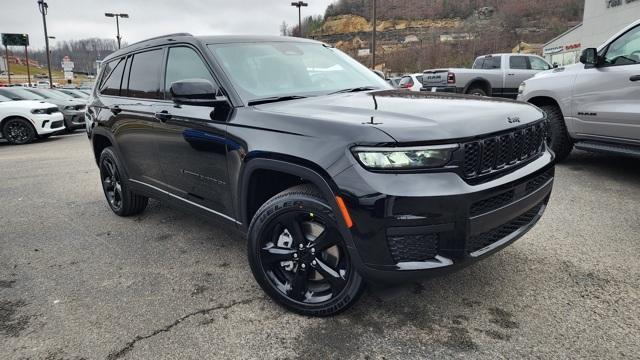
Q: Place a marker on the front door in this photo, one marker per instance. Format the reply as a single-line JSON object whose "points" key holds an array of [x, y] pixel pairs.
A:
{"points": [[606, 99], [192, 144]]}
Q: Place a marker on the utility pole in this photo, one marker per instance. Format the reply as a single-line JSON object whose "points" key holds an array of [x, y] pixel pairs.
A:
{"points": [[299, 5], [43, 7], [117, 16], [373, 37], [26, 56], [6, 58]]}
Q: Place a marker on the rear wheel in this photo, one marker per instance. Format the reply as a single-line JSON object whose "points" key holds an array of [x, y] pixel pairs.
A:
{"points": [[558, 138], [477, 91], [18, 131], [299, 257], [121, 199]]}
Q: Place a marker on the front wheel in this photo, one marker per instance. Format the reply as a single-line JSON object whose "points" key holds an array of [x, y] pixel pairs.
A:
{"points": [[476, 91], [298, 256], [557, 137], [18, 131]]}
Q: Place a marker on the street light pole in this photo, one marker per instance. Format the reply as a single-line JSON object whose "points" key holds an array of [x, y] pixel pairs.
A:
{"points": [[299, 5], [43, 7], [373, 37], [117, 16]]}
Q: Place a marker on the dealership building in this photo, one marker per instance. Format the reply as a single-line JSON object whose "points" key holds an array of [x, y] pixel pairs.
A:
{"points": [[601, 20]]}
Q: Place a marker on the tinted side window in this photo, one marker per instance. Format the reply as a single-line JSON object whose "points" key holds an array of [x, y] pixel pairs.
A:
{"points": [[518, 62], [492, 62], [478, 63], [184, 63], [625, 50], [111, 83], [144, 78]]}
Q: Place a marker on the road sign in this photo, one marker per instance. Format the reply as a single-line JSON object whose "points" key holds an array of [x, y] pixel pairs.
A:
{"points": [[15, 39], [68, 75]]}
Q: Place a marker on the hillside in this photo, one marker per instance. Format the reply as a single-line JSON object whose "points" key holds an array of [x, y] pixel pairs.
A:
{"points": [[418, 34]]}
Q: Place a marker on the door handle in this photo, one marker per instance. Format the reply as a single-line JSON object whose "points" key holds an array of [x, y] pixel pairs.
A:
{"points": [[163, 116], [635, 78], [115, 110], [510, 74]]}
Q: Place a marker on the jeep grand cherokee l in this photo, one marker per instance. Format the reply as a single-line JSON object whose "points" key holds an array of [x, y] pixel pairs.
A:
{"points": [[335, 177]]}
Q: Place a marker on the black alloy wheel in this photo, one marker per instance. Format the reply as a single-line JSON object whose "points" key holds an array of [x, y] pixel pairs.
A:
{"points": [[111, 184], [298, 254], [18, 131]]}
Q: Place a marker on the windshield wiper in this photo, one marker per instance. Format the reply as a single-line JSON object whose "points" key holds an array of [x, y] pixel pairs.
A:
{"points": [[275, 99], [355, 89]]}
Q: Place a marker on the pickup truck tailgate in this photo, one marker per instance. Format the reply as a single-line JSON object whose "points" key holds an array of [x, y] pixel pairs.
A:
{"points": [[432, 78]]}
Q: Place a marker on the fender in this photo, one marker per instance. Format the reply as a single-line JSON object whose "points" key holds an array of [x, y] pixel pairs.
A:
{"points": [[20, 116], [98, 130], [480, 79], [326, 186]]}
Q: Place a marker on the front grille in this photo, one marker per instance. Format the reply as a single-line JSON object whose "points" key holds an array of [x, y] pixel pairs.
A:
{"points": [[503, 151], [414, 247], [56, 124], [485, 239], [492, 203]]}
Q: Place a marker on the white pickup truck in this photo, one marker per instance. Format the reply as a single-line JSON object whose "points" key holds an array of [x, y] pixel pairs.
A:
{"points": [[491, 75]]}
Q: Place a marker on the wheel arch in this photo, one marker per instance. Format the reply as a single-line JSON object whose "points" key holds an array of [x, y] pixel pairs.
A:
{"points": [[19, 116], [482, 83], [544, 100]]}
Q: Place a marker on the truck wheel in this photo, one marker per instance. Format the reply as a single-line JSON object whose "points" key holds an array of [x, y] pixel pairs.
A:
{"points": [[558, 138], [298, 255], [476, 91], [121, 199], [18, 131]]}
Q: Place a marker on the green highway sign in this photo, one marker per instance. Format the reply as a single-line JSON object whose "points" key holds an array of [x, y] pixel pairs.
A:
{"points": [[15, 39]]}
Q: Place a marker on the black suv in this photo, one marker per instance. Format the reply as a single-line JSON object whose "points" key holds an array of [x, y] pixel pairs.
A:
{"points": [[336, 177]]}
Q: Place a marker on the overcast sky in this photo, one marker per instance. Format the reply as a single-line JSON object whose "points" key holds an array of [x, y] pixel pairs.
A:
{"points": [[76, 19]]}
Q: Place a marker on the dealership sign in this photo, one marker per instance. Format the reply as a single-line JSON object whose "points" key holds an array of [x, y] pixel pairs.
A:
{"points": [[67, 66], [15, 39]]}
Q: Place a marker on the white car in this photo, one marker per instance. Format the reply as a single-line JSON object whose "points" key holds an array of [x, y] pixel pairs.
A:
{"points": [[411, 82], [23, 121]]}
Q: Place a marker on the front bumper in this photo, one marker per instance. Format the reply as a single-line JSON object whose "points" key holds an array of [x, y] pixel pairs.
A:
{"points": [[412, 226], [48, 123], [74, 120]]}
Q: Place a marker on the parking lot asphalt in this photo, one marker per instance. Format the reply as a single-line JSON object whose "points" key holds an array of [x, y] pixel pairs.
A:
{"points": [[77, 282]]}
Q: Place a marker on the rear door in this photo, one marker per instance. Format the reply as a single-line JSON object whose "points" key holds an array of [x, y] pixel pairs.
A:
{"points": [[192, 142], [606, 99], [135, 126]]}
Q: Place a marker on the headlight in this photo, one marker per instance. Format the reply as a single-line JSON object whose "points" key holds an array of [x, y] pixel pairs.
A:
{"points": [[408, 158], [39, 111], [521, 88]]}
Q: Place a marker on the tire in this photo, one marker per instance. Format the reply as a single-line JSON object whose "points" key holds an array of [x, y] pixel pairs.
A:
{"points": [[558, 137], [476, 91], [121, 200], [18, 131], [282, 241]]}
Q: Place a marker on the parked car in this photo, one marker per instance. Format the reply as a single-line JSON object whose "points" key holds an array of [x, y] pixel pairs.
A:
{"points": [[496, 75], [43, 84], [395, 81], [335, 180], [593, 105], [71, 107], [411, 82], [21, 122]]}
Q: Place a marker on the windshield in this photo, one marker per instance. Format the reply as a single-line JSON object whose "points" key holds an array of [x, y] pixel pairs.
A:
{"points": [[279, 69], [22, 94], [3, 98]]}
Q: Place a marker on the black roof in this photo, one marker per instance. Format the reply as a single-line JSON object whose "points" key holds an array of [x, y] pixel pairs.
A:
{"points": [[218, 39]]}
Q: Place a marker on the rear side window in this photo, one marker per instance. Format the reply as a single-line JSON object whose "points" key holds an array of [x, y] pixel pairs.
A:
{"points": [[144, 78], [111, 83], [488, 62], [184, 63], [518, 62]]}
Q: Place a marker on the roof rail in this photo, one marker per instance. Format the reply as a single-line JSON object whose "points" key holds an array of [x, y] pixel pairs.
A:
{"points": [[160, 37]]}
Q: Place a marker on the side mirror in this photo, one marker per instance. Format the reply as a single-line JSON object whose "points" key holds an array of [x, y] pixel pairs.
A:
{"points": [[589, 57], [555, 65], [193, 92]]}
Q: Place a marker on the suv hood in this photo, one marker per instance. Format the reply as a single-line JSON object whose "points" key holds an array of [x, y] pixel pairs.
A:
{"points": [[26, 104], [413, 117], [62, 103]]}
